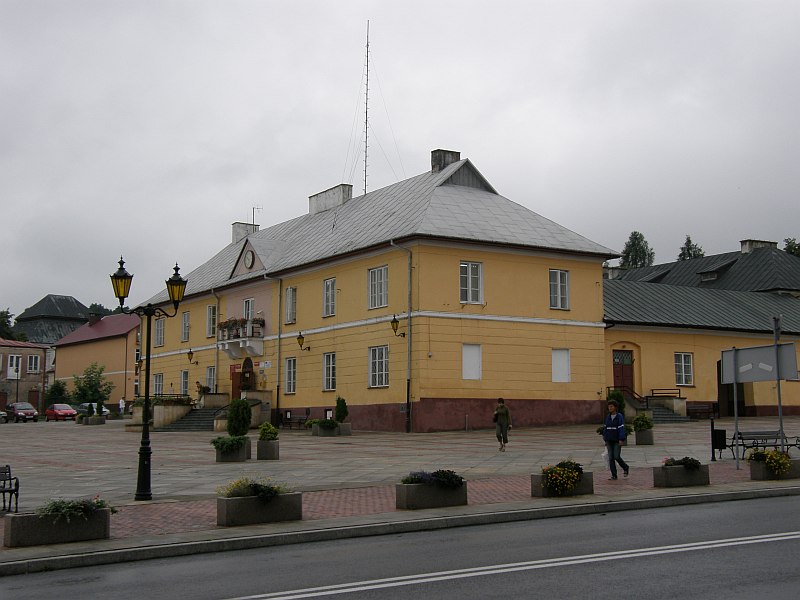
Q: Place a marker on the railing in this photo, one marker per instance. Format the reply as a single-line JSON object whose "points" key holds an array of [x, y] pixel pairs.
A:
{"points": [[240, 328], [628, 393]]}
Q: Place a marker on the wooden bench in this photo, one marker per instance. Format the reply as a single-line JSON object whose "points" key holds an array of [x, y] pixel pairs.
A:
{"points": [[9, 486], [702, 410], [290, 422], [759, 439], [666, 393]]}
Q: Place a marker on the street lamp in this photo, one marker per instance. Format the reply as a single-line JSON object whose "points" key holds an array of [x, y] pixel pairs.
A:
{"points": [[176, 286], [16, 374]]}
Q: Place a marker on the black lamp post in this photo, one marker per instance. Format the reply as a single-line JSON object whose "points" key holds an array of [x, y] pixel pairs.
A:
{"points": [[16, 374], [176, 286]]}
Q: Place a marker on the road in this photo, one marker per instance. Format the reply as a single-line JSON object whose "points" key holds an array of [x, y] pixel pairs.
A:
{"points": [[741, 549]]}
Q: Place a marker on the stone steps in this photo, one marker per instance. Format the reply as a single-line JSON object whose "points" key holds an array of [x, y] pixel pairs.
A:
{"points": [[201, 419]]}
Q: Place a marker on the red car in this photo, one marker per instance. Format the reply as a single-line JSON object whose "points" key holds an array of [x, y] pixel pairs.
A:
{"points": [[59, 412]]}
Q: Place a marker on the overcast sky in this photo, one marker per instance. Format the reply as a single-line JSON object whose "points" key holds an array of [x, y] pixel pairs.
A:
{"points": [[145, 128]]}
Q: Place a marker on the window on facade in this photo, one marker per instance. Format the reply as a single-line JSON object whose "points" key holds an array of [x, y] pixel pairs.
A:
{"points": [[185, 327], [559, 289], [684, 374], [561, 365], [248, 309], [329, 297], [14, 370], [211, 378], [33, 363], [471, 283], [378, 287], [379, 366], [158, 384], [329, 371], [471, 361], [158, 333], [291, 305], [291, 375], [136, 387], [211, 320], [185, 383]]}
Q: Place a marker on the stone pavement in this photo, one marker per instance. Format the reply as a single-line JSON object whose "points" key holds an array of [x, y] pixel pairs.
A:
{"points": [[348, 482]]}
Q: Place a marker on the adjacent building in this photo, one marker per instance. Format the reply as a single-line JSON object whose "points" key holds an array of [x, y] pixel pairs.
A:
{"points": [[22, 372]]}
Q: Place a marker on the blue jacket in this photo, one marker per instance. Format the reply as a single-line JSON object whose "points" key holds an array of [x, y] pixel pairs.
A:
{"points": [[614, 430]]}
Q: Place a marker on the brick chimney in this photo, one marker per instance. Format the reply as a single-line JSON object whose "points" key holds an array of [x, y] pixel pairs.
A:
{"points": [[335, 196], [749, 245], [441, 158], [239, 231]]}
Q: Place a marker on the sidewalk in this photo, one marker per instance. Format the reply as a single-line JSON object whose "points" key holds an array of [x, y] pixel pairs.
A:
{"points": [[348, 483]]}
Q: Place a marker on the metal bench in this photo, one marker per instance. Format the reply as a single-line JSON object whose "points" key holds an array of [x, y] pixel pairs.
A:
{"points": [[9, 486], [759, 439], [701, 410], [290, 422]]}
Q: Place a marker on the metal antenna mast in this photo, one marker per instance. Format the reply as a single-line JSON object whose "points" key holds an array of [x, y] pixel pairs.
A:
{"points": [[366, 116], [255, 208]]}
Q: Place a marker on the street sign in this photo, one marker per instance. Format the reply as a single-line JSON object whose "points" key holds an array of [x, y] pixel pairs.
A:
{"points": [[758, 363]]}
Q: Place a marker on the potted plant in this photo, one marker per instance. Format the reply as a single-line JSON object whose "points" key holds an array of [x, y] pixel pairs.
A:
{"points": [[680, 472], [340, 414], [567, 478], [59, 521], [772, 464], [643, 426], [421, 489], [246, 500], [313, 426], [236, 446], [267, 446], [326, 427]]}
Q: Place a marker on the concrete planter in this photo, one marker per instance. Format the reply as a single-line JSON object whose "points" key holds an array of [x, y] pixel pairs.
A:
{"points": [[585, 486], [680, 476], [315, 429], [760, 472], [251, 509], [268, 450], [412, 496], [322, 432], [94, 420], [344, 429], [644, 437], [32, 530], [240, 455]]}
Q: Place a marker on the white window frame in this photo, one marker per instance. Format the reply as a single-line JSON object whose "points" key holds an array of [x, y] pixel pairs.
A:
{"points": [[329, 297], [470, 282], [158, 384], [379, 366], [248, 308], [211, 378], [291, 305], [185, 326], [684, 376], [378, 287], [561, 365], [559, 289], [33, 363], [329, 371], [211, 320], [136, 387], [184, 383], [291, 375], [158, 334], [471, 362]]}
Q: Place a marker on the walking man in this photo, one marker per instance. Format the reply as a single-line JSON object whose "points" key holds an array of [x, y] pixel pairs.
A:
{"points": [[613, 435], [502, 419]]}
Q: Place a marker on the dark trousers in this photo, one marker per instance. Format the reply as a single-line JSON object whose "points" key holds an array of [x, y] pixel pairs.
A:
{"points": [[614, 457]]}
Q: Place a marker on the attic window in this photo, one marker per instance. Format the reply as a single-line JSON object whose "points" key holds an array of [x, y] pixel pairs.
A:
{"points": [[709, 276]]}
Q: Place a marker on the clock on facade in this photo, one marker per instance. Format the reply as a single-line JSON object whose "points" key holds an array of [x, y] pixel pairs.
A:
{"points": [[249, 259]]}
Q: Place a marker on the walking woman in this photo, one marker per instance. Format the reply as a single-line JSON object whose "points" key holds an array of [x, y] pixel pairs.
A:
{"points": [[613, 434], [502, 419]]}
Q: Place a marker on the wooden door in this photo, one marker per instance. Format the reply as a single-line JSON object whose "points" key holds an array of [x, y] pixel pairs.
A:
{"points": [[623, 369]]}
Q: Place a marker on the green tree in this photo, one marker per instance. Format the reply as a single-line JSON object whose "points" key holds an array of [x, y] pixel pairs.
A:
{"points": [[92, 386], [57, 393], [5, 325], [637, 252], [690, 250], [239, 416], [341, 411], [98, 309], [792, 247]]}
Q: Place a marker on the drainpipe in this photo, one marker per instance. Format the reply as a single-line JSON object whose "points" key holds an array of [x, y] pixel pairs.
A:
{"points": [[408, 340], [216, 346], [278, 351]]}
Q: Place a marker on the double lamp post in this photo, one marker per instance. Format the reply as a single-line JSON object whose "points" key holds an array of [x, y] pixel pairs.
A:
{"points": [[176, 287]]}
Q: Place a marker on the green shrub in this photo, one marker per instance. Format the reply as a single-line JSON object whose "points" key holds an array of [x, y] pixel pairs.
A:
{"points": [[642, 422], [229, 443], [57, 393], [341, 411], [311, 422], [442, 478], [687, 461], [617, 396], [248, 486], [239, 415], [60, 508], [327, 424], [267, 432]]}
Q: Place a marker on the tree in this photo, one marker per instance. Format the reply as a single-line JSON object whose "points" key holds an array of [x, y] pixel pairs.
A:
{"points": [[93, 387], [637, 252], [690, 250], [98, 309], [792, 247], [57, 393], [5, 325]]}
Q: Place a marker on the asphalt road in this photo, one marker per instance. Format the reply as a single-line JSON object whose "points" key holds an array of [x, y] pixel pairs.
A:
{"points": [[741, 549]]}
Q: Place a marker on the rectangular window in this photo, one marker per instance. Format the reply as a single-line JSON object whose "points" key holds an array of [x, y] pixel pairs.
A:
{"points": [[158, 333], [471, 283], [136, 387], [185, 327], [683, 369], [379, 366], [211, 378], [559, 289], [248, 309], [561, 365], [158, 384], [291, 305], [291, 375], [14, 370], [378, 287], [211, 320], [185, 383], [329, 297], [471, 361], [329, 371], [33, 363]]}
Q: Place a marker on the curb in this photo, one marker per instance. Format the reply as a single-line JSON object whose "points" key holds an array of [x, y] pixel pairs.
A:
{"points": [[104, 557]]}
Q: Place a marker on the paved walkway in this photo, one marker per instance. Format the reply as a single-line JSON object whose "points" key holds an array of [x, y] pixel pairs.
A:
{"points": [[347, 481]]}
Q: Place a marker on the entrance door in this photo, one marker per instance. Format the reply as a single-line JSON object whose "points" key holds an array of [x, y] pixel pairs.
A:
{"points": [[623, 369], [725, 395]]}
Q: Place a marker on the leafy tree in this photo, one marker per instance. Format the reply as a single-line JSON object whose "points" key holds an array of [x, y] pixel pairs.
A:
{"points": [[792, 247], [341, 410], [57, 393], [637, 252], [98, 309], [93, 387], [239, 416], [5, 325], [690, 250]]}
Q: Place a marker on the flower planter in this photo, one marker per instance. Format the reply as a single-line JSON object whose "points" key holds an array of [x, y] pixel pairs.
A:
{"points": [[644, 437], [32, 530], [326, 432], [344, 429], [680, 476], [267, 450], [240, 455], [412, 496], [251, 509], [94, 420], [760, 472], [315, 429], [585, 485]]}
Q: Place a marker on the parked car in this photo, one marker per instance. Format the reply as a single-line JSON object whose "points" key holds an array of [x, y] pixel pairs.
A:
{"points": [[3, 416], [83, 409], [22, 411], [60, 412]]}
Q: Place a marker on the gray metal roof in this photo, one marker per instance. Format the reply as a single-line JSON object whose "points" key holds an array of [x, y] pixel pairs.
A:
{"points": [[428, 205], [657, 304]]}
